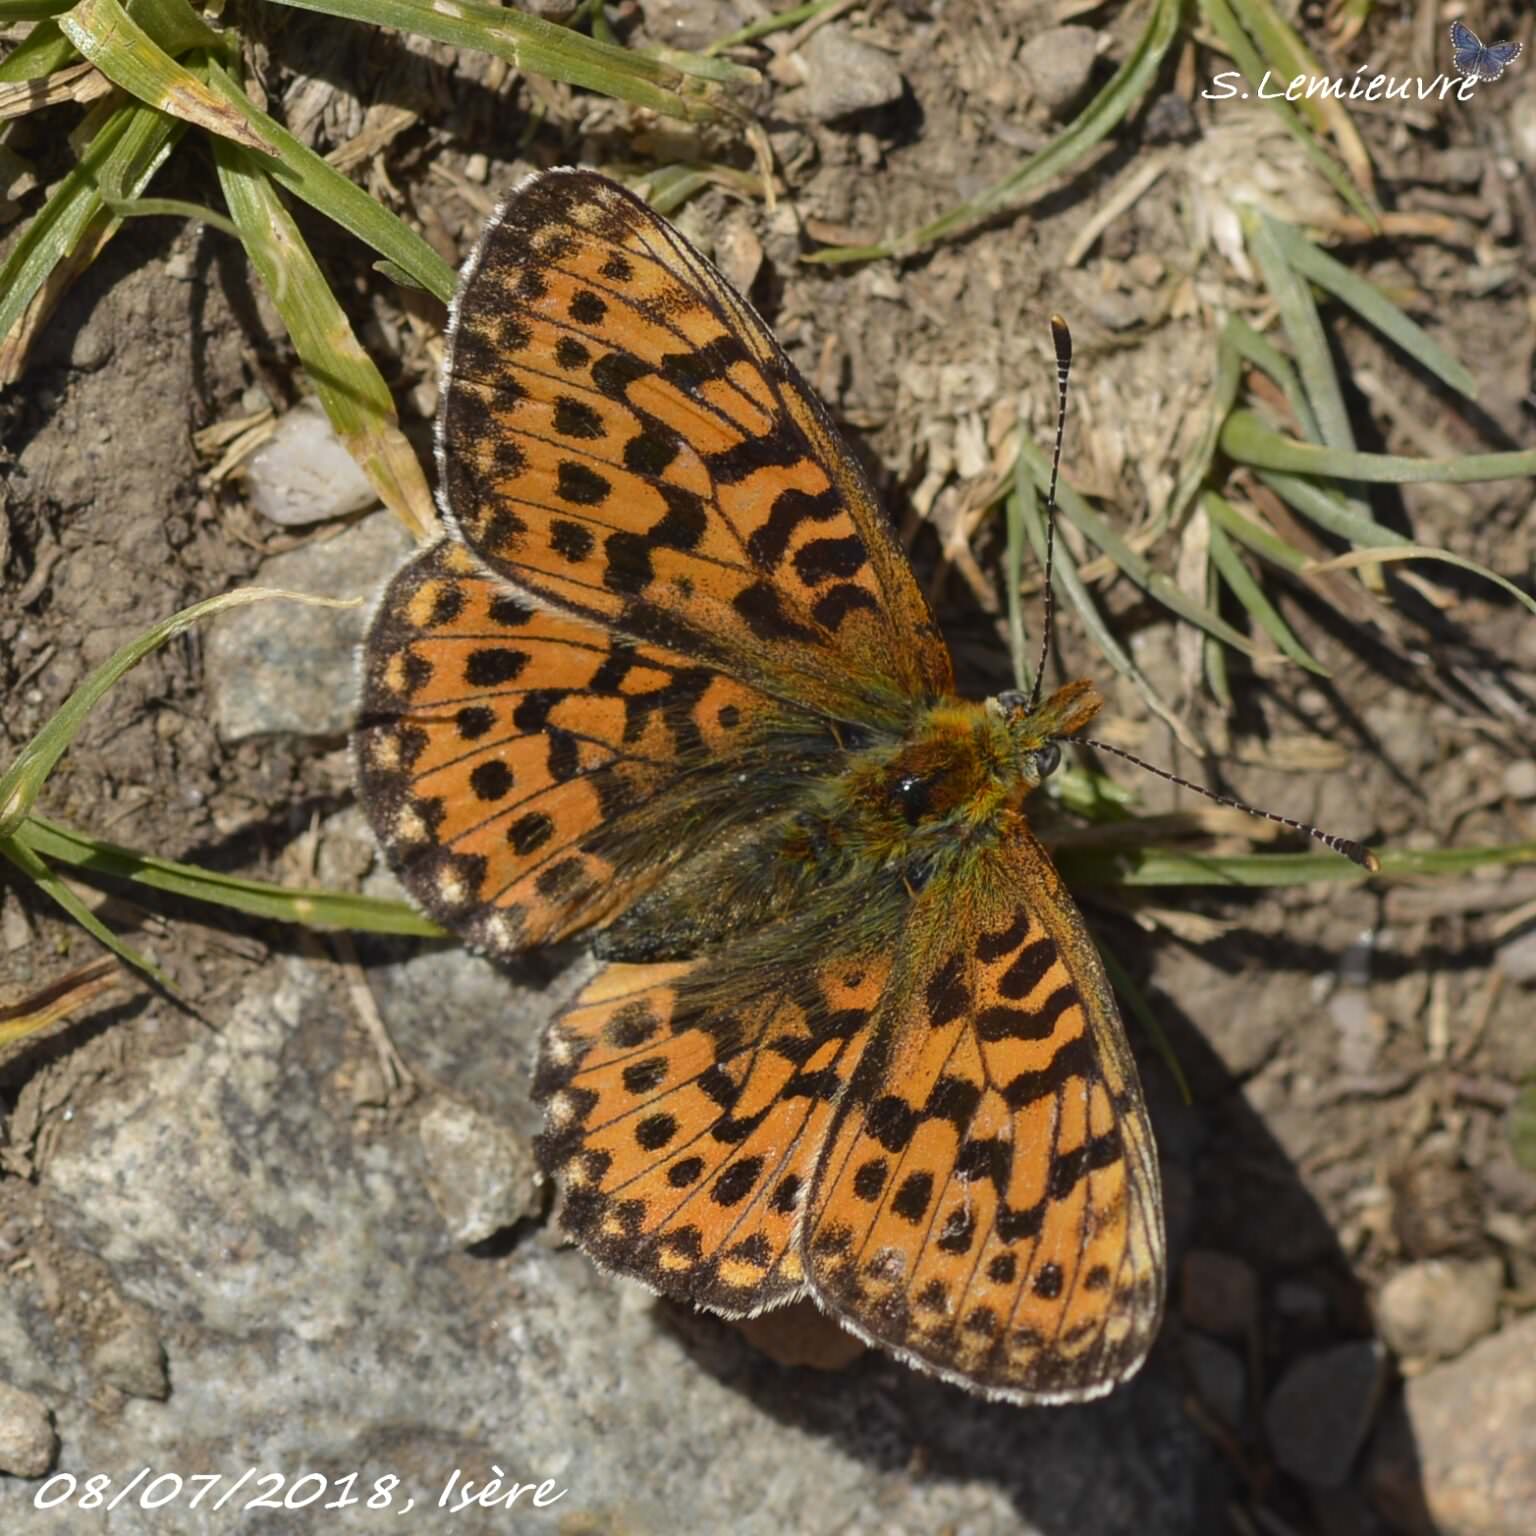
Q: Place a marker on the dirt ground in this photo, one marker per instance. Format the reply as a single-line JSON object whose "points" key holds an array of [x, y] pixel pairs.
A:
{"points": [[1356, 1053]]}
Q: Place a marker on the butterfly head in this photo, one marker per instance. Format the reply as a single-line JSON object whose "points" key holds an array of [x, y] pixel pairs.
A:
{"points": [[1035, 733]]}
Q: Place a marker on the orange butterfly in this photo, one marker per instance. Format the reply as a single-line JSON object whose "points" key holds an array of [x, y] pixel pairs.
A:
{"points": [[671, 679]]}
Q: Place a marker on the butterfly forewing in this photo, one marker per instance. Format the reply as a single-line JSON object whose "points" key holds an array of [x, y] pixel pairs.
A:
{"points": [[623, 436], [988, 1203], [497, 738]]}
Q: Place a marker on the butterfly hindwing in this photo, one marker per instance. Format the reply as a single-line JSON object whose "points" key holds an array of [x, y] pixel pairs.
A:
{"points": [[687, 1137], [623, 436], [988, 1203]]}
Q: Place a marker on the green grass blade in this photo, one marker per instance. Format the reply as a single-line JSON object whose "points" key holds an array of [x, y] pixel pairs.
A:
{"points": [[1251, 595], [42, 51], [1268, 358], [1164, 866], [1259, 539], [257, 898], [1137, 567], [778, 22], [129, 57], [24, 779], [1026, 508], [304, 173], [1098, 119], [1360, 557], [350, 388], [674, 88], [1222, 398], [1248, 440], [54, 888], [1304, 330], [1373, 307]]}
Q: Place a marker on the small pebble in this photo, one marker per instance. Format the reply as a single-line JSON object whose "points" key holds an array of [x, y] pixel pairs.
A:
{"points": [[481, 1175], [1321, 1411], [1058, 65], [844, 75], [27, 1441], [302, 474], [1437, 1309], [1219, 1293], [132, 1358]]}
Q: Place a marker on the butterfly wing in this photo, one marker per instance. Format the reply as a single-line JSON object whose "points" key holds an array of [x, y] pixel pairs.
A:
{"points": [[1474, 59], [988, 1204], [622, 436], [686, 1138], [1466, 49], [497, 739]]}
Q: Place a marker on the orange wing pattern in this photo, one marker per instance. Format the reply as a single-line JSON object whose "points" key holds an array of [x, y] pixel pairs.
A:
{"points": [[497, 738], [988, 1203], [622, 436], [688, 1138], [672, 678]]}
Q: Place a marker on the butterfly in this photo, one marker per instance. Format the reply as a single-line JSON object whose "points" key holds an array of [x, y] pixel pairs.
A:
{"points": [[1481, 63], [669, 681]]}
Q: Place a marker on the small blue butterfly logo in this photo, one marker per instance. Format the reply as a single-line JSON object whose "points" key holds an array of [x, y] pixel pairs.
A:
{"points": [[1476, 60]]}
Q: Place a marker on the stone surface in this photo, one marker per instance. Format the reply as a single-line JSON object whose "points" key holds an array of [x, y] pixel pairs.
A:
{"points": [[1456, 1453], [319, 1318], [1218, 1293], [277, 668], [27, 1440], [1434, 1310], [844, 75], [1058, 64], [1322, 1408], [481, 1175], [302, 474]]}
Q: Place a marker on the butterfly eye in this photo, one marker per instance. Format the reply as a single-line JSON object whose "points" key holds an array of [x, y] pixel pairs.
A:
{"points": [[1046, 760], [914, 794]]}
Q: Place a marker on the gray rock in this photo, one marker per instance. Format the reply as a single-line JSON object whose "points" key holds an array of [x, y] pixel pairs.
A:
{"points": [[323, 1322], [1436, 1309], [1321, 1411], [1456, 1454], [1058, 65], [1218, 1293], [27, 1440], [279, 668], [844, 75], [481, 1175], [303, 474]]}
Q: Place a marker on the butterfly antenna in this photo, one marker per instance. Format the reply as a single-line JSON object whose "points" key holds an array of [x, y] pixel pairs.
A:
{"points": [[1355, 852], [1061, 337]]}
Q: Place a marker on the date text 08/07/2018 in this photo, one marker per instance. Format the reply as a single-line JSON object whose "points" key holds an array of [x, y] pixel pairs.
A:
{"points": [[276, 1490]]}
